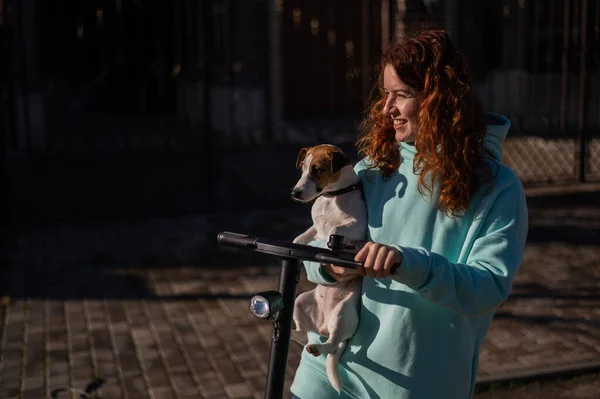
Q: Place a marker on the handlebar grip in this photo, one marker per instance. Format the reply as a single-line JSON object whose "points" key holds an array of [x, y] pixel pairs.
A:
{"points": [[326, 258], [336, 260], [237, 240]]}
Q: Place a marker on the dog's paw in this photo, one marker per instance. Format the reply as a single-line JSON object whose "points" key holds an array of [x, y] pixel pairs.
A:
{"points": [[301, 240], [317, 349], [313, 350]]}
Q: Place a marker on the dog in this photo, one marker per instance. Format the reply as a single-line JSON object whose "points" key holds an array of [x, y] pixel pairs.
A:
{"points": [[339, 208]]}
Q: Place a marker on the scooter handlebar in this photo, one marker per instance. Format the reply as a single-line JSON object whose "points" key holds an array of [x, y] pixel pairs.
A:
{"points": [[236, 240], [289, 250]]}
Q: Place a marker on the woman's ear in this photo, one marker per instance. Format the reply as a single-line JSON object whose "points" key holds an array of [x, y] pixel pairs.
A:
{"points": [[301, 156]]}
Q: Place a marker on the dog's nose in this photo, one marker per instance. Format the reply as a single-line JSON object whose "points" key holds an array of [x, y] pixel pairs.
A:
{"points": [[296, 193]]}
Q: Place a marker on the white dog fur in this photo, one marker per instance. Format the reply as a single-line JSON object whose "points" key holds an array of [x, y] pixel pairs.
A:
{"points": [[329, 310]]}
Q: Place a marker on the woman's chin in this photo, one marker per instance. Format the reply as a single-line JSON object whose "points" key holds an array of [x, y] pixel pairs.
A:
{"points": [[404, 137]]}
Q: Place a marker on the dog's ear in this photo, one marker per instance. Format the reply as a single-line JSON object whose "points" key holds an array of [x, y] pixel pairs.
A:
{"points": [[338, 161], [301, 156]]}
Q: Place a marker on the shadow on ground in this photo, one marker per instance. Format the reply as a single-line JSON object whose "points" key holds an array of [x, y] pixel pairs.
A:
{"points": [[69, 261], [571, 218]]}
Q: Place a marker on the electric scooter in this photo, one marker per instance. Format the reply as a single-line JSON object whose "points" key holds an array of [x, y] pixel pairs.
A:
{"points": [[278, 306]]}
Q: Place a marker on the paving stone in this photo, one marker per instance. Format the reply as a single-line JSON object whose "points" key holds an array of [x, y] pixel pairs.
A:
{"points": [[111, 391], [240, 390], [186, 329]]}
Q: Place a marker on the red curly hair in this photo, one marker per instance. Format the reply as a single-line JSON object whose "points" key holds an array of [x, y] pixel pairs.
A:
{"points": [[451, 120]]}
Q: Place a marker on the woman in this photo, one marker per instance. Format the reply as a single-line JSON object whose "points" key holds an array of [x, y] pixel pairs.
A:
{"points": [[440, 204]]}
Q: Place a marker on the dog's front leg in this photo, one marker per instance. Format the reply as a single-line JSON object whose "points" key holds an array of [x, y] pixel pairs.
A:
{"points": [[309, 235], [351, 231]]}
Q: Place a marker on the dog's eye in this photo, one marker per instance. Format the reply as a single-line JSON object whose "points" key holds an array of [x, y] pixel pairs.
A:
{"points": [[315, 170]]}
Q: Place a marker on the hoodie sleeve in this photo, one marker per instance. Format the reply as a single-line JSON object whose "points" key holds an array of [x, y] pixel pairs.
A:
{"points": [[314, 270], [484, 281]]}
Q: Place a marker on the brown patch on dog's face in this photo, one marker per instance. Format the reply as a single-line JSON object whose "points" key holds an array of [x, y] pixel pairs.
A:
{"points": [[325, 165], [301, 157]]}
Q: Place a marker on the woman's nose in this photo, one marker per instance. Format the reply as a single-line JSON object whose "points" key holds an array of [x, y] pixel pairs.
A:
{"points": [[388, 107]]}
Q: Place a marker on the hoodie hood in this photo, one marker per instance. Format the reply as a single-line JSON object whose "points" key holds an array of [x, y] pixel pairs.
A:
{"points": [[497, 129]]}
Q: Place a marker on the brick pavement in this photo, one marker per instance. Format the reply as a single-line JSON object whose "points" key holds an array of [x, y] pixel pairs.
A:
{"points": [[129, 303]]}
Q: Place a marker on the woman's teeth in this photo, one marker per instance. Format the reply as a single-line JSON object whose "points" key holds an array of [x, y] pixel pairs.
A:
{"points": [[399, 122]]}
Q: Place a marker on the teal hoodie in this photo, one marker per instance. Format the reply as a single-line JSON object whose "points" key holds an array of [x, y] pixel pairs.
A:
{"points": [[420, 331]]}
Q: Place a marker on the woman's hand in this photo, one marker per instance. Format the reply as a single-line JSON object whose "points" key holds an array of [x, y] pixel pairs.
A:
{"points": [[378, 259], [341, 273]]}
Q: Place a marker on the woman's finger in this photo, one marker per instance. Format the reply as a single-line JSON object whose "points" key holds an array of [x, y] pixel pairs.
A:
{"points": [[362, 254], [379, 264], [370, 259], [389, 262]]}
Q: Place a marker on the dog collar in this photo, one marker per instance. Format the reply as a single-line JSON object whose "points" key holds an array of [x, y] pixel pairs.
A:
{"points": [[353, 187]]}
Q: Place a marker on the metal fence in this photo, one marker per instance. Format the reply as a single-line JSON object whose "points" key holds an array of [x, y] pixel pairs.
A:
{"points": [[545, 76], [128, 74], [152, 106]]}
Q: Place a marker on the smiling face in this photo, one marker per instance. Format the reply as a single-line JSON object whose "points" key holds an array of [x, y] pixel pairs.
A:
{"points": [[401, 105]]}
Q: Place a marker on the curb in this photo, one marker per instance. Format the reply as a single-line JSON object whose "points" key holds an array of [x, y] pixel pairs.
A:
{"points": [[538, 374], [561, 189]]}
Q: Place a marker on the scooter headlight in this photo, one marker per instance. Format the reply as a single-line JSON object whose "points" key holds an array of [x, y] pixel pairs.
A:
{"points": [[265, 305]]}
